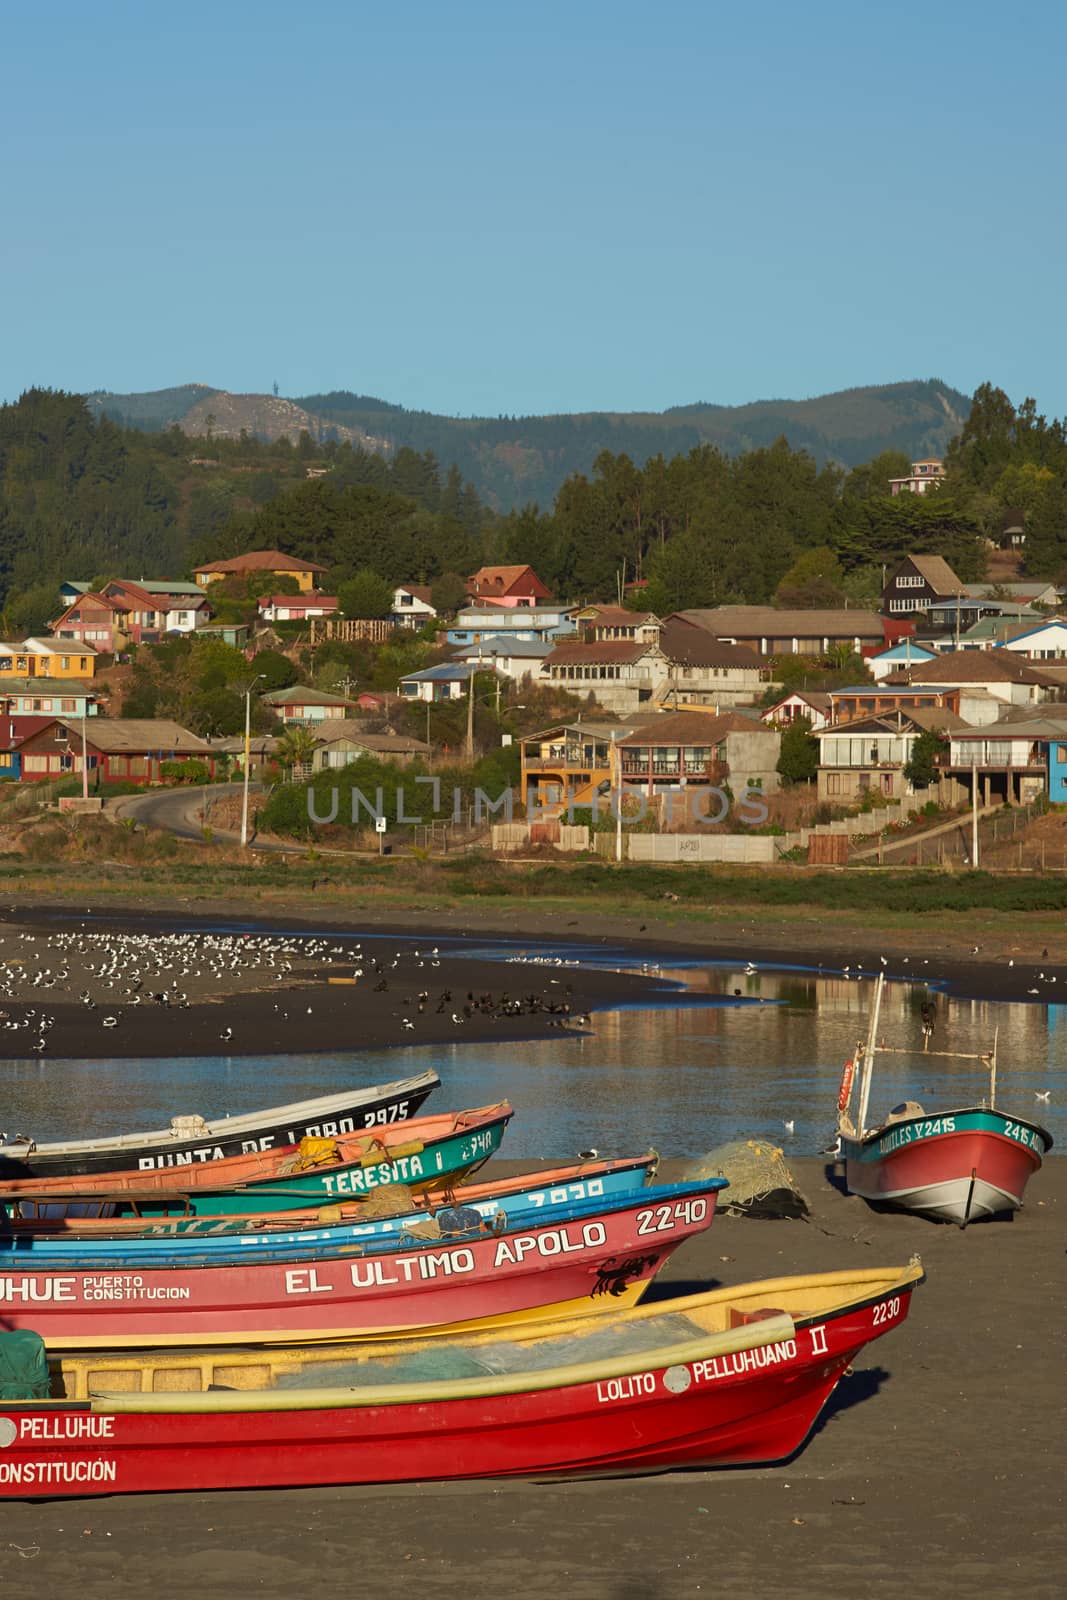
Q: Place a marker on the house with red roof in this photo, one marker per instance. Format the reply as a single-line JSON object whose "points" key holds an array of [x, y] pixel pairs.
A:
{"points": [[506, 586], [94, 619]]}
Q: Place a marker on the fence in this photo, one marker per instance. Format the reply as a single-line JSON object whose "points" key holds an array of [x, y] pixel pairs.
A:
{"points": [[953, 840]]}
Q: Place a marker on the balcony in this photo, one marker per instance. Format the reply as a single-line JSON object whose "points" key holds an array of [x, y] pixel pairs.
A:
{"points": [[632, 768], [571, 756]]}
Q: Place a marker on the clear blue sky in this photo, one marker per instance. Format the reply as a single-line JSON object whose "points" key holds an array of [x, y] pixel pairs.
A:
{"points": [[482, 207]]}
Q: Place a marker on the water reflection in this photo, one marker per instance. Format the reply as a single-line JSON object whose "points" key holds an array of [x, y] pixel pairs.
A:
{"points": [[692, 1070]]}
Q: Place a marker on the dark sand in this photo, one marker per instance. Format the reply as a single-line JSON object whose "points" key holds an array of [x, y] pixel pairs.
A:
{"points": [[262, 1008], [938, 1471]]}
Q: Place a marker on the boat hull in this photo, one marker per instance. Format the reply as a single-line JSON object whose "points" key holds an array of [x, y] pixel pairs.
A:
{"points": [[325, 1117], [728, 1401], [127, 1241], [601, 1256], [420, 1154], [958, 1166]]}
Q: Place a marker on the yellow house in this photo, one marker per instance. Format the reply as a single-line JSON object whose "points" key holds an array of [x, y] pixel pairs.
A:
{"points": [[48, 658], [276, 562]]}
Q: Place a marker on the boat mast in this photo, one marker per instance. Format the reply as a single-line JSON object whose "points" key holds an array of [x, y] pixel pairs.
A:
{"points": [[867, 1069]]}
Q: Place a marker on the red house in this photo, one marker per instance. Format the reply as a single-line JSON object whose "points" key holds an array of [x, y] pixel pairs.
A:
{"points": [[130, 750], [94, 619], [506, 586]]}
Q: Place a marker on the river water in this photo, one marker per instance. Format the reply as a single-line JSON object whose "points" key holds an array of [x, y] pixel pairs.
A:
{"points": [[732, 1054]]}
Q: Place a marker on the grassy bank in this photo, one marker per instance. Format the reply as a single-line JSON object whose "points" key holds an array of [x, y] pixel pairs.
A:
{"points": [[941, 905]]}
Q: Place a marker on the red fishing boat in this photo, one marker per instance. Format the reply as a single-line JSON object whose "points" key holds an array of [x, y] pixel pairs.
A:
{"points": [[605, 1251], [730, 1378], [959, 1165]]}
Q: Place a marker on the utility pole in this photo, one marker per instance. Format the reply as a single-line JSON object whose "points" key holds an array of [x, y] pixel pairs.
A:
{"points": [[85, 763], [470, 715], [974, 812]]}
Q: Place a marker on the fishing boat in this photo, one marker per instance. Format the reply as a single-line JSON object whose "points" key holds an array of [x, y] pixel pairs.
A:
{"points": [[439, 1213], [420, 1154], [192, 1139], [955, 1166], [591, 1254], [733, 1377]]}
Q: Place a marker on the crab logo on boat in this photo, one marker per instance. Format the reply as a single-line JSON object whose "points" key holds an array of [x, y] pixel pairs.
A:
{"points": [[676, 1380], [8, 1432]]}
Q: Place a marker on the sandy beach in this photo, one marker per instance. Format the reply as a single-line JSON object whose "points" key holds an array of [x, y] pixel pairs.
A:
{"points": [[937, 1471]]}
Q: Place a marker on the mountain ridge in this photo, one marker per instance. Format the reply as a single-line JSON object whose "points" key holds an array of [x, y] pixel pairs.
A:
{"points": [[517, 459]]}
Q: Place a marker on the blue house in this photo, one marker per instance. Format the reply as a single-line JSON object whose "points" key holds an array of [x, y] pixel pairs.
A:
{"points": [[548, 623], [47, 697], [448, 681], [899, 656]]}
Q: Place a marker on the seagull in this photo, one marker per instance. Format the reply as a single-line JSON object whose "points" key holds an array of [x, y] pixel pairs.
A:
{"points": [[408, 1023], [111, 1022], [226, 1035], [1033, 991], [882, 959], [1043, 1096], [588, 1155], [789, 1126]]}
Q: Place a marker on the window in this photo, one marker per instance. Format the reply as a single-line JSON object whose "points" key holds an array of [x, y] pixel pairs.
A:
{"points": [[64, 663], [833, 783], [909, 580]]}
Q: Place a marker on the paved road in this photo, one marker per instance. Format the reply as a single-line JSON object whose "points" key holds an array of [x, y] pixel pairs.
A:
{"points": [[179, 811]]}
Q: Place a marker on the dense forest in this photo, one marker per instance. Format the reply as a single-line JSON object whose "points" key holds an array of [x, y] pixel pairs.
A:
{"points": [[82, 497]]}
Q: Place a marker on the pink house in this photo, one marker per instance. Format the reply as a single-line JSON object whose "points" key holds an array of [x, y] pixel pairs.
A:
{"points": [[506, 586]]}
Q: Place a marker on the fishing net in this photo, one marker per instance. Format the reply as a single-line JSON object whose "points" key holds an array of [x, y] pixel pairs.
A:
{"points": [[390, 1200], [761, 1185]]}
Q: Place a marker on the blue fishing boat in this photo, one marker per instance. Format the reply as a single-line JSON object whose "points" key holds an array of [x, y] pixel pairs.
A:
{"points": [[444, 1213]]}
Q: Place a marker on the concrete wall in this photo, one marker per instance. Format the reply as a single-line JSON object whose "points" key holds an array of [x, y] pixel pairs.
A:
{"points": [[706, 847], [754, 755]]}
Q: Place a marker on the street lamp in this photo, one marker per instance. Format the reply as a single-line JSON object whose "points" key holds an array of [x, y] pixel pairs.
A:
{"points": [[248, 755]]}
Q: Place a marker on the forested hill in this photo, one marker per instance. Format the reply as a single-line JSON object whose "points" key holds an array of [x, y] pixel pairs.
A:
{"points": [[512, 461]]}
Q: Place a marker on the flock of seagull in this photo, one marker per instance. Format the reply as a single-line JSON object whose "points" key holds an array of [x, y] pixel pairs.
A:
{"points": [[108, 973]]}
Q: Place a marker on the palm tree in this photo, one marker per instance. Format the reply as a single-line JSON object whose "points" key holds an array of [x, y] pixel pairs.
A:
{"points": [[295, 749]]}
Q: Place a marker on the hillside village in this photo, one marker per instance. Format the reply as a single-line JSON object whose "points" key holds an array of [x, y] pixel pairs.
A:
{"points": [[949, 694]]}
